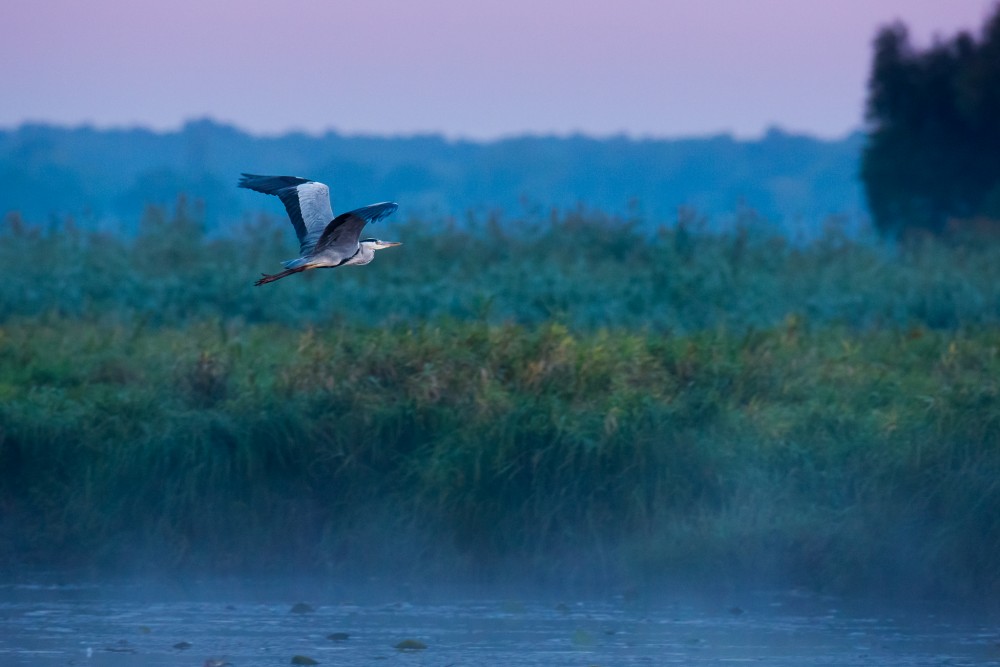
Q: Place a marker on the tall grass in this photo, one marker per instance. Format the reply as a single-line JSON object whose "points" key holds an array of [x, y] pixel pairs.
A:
{"points": [[824, 452], [682, 402], [584, 270]]}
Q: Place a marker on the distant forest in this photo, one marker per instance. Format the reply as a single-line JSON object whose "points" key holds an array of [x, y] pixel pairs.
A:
{"points": [[932, 159], [106, 178]]}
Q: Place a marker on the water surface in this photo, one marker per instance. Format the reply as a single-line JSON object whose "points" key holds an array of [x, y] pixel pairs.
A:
{"points": [[250, 626]]}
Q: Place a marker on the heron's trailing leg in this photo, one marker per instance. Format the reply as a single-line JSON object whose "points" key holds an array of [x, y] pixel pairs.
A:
{"points": [[270, 278]]}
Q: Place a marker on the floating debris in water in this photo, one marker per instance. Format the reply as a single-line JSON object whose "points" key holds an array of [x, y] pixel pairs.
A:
{"points": [[562, 608], [735, 611], [215, 662], [302, 608], [411, 645], [338, 636], [303, 660], [583, 638], [145, 629], [121, 647], [180, 646]]}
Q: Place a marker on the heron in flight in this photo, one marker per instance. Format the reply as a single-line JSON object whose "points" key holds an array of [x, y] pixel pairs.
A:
{"points": [[325, 242]]}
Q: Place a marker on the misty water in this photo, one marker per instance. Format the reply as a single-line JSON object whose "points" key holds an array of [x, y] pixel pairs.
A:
{"points": [[255, 624]]}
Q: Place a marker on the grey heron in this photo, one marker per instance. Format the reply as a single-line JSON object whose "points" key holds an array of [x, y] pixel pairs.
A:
{"points": [[324, 241]]}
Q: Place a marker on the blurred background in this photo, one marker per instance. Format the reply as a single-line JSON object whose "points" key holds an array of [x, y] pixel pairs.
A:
{"points": [[505, 107], [685, 289]]}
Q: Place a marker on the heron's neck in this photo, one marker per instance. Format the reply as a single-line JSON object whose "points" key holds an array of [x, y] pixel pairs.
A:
{"points": [[366, 253]]}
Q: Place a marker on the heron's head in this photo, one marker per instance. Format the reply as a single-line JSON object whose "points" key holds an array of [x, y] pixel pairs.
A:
{"points": [[376, 244]]}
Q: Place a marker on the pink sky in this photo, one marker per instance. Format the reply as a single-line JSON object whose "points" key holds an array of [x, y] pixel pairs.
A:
{"points": [[477, 69]]}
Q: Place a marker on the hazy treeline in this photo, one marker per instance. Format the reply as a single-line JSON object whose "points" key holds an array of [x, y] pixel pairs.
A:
{"points": [[106, 177], [648, 403]]}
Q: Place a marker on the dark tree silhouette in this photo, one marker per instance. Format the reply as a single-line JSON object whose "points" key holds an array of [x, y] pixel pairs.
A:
{"points": [[933, 149]]}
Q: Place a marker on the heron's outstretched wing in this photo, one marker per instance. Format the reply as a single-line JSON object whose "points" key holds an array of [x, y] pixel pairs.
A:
{"points": [[307, 203], [343, 232]]}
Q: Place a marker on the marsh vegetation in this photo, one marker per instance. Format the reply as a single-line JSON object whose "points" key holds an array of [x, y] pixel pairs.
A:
{"points": [[572, 397]]}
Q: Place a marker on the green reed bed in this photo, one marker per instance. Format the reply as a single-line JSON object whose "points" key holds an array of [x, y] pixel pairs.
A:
{"points": [[583, 269], [580, 396], [831, 456]]}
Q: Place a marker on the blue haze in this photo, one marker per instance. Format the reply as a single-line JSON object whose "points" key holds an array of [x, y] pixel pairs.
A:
{"points": [[105, 178]]}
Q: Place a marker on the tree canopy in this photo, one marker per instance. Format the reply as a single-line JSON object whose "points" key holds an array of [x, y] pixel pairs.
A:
{"points": [[933, 149]]}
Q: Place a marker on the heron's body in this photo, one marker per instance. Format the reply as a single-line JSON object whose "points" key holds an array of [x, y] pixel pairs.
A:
{"points": [[324, 241]]}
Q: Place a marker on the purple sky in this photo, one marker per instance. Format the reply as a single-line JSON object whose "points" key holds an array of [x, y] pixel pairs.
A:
{"points": [[479, 69]]}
